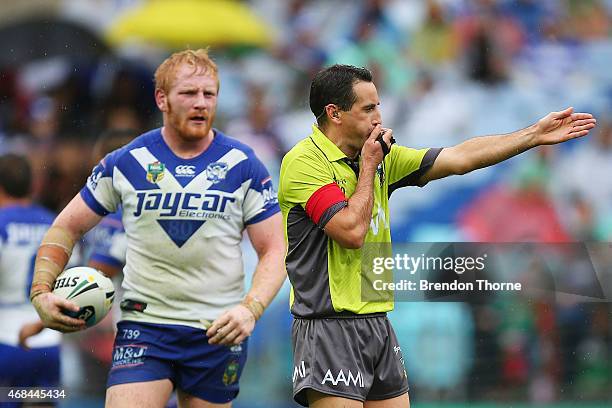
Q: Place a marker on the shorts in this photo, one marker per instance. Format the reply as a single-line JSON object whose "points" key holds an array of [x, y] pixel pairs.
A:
{"points": [[353, 357], [37, 367], [149, 352]]}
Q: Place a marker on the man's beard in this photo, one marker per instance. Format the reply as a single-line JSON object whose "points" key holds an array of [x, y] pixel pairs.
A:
{"points": [[183, 128]]}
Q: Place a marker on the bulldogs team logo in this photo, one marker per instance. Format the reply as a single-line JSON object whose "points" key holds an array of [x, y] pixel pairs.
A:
{"points": [[216, 172], [155, 171]]}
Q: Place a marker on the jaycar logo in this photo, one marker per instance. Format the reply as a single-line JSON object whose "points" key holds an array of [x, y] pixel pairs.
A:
{"points": [[184, 171]]}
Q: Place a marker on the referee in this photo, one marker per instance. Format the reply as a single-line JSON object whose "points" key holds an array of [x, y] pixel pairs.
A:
{"points": [[334, 191]]}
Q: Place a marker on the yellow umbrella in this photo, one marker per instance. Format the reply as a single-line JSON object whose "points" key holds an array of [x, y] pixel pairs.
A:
{"points": [[190, 23]]}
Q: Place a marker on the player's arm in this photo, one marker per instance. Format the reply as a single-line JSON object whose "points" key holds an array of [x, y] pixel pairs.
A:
{"points": [[237, 323], [349, 226], [479, 152], [269, 243], [53, 254]]}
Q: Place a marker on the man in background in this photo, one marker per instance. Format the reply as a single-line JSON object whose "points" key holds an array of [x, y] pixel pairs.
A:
{"points": [[22, 227]]}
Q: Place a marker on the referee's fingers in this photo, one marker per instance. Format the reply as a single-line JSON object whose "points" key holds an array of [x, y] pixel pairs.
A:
{"points": [[375, 133], [387, 136]]}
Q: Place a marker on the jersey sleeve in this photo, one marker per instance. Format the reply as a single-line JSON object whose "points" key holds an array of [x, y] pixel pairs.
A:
{"points": [[407, 165], [309, 182], [261, 200], [99, 193]]}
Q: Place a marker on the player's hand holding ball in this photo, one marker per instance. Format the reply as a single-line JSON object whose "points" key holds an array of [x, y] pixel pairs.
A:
{"points": [[50, 308], [81, 297]]}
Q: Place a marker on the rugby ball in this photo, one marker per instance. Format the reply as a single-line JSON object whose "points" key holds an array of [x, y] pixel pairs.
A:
{"points": [[90, 289]]}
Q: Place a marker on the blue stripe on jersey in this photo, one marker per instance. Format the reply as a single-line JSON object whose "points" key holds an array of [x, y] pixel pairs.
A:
{"points": [[111, 159], [250, 169], [234, 178], [134, 173], [195, 165], [91, 201], [262, 183], [267, 213]]}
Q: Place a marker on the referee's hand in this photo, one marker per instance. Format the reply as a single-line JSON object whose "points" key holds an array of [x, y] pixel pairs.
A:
{"points": [[372, 152]]}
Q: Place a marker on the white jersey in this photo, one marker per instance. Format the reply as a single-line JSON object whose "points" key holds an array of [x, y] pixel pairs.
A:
{"points": [[21, 231], [183, 219]]}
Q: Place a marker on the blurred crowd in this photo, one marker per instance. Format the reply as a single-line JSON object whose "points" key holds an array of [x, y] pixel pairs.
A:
{"points": [[445, 70]]}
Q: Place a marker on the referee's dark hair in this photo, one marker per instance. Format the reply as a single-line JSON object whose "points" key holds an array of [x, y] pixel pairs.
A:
{"points": [[335, 85], [15, 175]]}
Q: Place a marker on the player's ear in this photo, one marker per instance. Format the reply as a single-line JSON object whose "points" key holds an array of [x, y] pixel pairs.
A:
{"points": [[161, 100]]}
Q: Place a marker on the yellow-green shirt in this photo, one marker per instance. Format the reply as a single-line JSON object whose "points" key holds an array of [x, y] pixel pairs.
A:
{"points": [[316, 181]]}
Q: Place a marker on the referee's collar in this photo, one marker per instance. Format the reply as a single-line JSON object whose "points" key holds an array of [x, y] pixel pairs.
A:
{"points": [[329, 149]]}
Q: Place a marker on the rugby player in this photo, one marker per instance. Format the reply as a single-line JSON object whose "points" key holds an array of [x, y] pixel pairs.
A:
{"points": [[187, 192]]}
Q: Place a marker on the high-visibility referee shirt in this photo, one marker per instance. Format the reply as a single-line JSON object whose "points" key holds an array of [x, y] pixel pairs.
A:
{"points": [[316, 181]]}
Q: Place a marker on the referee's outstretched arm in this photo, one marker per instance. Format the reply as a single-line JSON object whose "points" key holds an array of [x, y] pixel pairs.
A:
{"points": [[479, 152]]}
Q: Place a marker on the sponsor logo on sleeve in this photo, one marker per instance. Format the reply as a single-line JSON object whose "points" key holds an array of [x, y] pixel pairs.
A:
{"points": [[96, 175], [269, 194]]}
